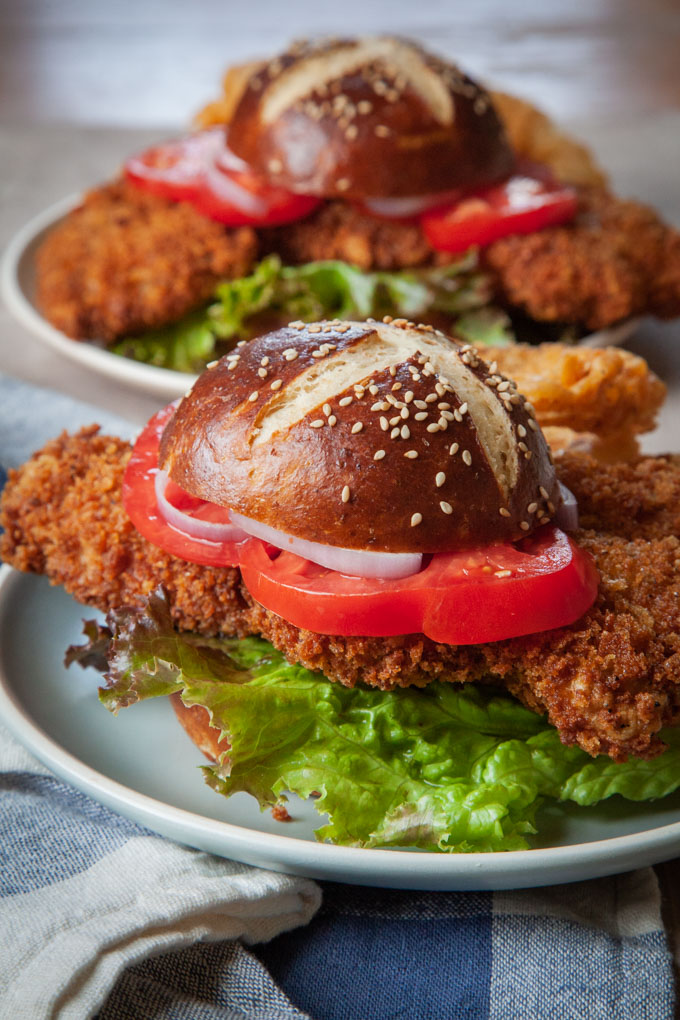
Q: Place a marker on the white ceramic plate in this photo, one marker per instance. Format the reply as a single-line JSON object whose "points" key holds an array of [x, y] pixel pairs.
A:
{"points": [[17, 285], [141, 764]]}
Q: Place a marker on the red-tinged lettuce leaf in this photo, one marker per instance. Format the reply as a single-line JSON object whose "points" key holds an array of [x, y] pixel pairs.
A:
{"points": [[143, 656], [95, 652], [446, 767]]}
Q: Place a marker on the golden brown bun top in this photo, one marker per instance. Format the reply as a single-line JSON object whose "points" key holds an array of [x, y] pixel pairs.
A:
{"points": [[377, 436], [368, 117]]}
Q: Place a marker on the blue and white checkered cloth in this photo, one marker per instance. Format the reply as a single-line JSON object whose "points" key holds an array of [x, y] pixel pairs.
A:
{"points": [[85, 893], [99, 917], [593, 950]]}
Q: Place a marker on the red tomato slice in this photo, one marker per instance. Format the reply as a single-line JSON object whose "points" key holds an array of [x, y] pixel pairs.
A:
{"points": [[139, 500], [201, 170], [241, 198], [175, 169], [458, 598], [521, 205]]}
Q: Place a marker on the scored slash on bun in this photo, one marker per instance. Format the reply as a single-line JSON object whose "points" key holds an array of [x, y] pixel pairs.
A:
{"points": [[374, 117], [380, 435]]}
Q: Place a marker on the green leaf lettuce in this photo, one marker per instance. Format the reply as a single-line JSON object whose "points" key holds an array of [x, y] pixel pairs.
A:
{"points": [[446, 767], [322, 290]]}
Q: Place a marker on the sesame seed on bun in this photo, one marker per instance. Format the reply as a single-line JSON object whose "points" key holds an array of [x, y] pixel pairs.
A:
{"points": [[373, 117], [382, 436]]}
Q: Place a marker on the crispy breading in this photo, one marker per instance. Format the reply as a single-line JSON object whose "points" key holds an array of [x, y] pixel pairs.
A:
{"points": [[534, 136], [339, 230], [125, 261], [606, 391], [609, 682], [234, 81], [63, 516], [616, 260]]}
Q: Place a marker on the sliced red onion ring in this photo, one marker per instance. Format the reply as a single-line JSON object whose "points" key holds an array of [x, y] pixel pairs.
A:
{"points": [[229, 160], [567, 513], [226, 188], [356, 562], [206, 530], [411, 205]]}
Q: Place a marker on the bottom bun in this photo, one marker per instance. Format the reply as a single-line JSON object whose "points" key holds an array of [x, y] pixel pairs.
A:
{"points": [[196, 722]]}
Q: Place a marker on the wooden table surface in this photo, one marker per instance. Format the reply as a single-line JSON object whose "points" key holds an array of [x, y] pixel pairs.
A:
{"points": [[81, 82]]}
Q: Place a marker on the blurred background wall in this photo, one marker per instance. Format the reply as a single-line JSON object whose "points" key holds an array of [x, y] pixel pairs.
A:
{"points": [[153, 62]]}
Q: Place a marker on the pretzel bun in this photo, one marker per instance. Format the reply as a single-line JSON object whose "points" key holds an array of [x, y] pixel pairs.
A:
{"points": [[374, 117], [196, 721], [372, 436]]}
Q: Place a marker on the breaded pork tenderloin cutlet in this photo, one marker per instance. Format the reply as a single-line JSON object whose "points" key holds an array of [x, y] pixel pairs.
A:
{"points": [[616, 260], [125, 261], [339, 230], [609, 682], [63, 517]]}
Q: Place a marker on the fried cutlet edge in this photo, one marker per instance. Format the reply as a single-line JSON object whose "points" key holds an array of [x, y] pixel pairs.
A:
{"points": [[608, 682], [125, 261]]}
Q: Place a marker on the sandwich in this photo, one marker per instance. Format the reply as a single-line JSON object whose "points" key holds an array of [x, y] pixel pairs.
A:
{"points": [[351, 559], [354, 178]]}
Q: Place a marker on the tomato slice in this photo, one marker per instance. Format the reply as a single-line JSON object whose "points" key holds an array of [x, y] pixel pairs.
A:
{"points": [[527, 202], [200, 169], [460, 598], [175, 169], [240, 198], [139, 500]]}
